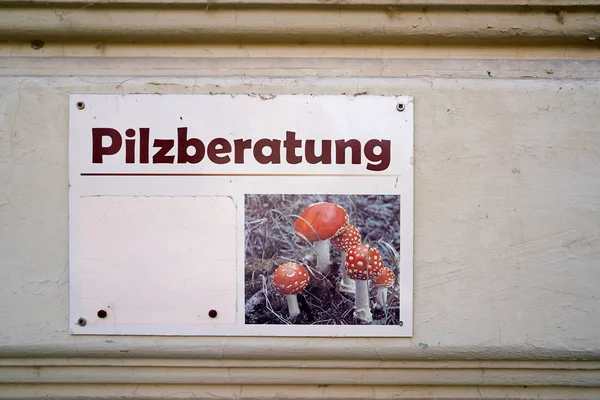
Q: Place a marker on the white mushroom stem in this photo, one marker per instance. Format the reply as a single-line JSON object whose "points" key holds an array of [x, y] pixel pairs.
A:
{"points": [[323, 257], [346, 284], [362, 308], [381, 298], [292, 302]]}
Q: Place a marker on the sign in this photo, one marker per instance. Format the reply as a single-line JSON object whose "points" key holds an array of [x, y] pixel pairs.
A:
{"points": [[239, 215]]}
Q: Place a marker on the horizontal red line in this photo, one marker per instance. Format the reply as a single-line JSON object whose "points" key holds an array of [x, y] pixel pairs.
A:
{"points": [[210, 174]]}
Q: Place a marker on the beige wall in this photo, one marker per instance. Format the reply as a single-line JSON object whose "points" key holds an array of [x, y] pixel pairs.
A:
{"points": [[507, 194]]}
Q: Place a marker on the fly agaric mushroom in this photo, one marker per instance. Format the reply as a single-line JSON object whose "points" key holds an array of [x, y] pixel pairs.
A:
{"points": [[382, 283], [318, 223], [290, 279], [344, 242], [363, 263]]}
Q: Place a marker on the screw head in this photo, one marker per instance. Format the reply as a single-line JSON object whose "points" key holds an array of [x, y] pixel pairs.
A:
{"points": [[401, 323], [212, 313], [400, 107], [81, 322], [80, 105]]}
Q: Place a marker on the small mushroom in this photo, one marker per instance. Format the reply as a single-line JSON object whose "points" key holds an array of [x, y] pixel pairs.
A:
{"points": [[318, 223], [382, 283], [363, 263], [290, 279], [344, 242]]}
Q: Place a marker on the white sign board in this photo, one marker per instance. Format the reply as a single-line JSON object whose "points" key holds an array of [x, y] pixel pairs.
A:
{"points": [[237, 215]]}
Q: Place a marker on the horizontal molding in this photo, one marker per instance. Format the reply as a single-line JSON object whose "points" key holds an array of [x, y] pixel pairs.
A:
{"points": [[397, 25], [343, 350], [318, 3], [356, 364], [195, 67], [299, 372], [289, 392], [132, 378]]}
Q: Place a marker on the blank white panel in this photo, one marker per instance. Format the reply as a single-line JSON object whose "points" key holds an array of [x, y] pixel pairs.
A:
{"points": [[157, 259]]}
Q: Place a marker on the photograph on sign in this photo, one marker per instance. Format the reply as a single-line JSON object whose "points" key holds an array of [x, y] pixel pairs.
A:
{"points": [[322, 259], [241, 215]]}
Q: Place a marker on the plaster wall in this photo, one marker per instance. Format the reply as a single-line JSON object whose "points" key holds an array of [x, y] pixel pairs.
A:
{"points": [[507, 228]]}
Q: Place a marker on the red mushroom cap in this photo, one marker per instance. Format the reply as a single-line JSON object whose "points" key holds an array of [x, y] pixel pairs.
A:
{"points": [[290, 278], [321, 221], [363, 262], [386, 279], [345, 240]]}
